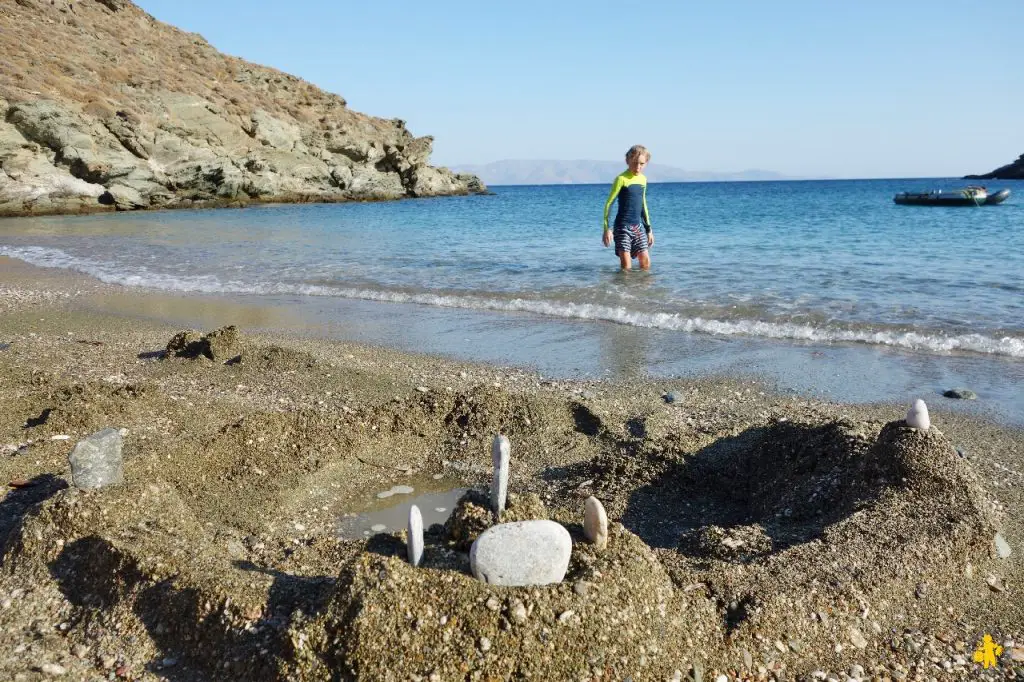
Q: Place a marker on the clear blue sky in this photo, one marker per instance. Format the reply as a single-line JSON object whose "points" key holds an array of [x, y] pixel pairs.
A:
{"points": [[839, 88]]}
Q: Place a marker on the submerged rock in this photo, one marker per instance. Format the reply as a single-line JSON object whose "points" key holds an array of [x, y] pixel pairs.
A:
{"points": [[521, 553], [96, 461], [960, 394]]}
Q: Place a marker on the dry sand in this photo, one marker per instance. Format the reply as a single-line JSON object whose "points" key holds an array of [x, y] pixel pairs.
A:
{"points": [[754, 535]]}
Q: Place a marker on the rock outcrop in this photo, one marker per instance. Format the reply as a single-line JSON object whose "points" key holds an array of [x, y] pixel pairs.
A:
{"points": [[130, 113], [1011, 171]]}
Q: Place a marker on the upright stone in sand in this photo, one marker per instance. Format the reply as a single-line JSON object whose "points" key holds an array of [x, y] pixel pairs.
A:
{"points": [[917, 416], [96, 461], [415, 541], [500, 453], [595, 522]]}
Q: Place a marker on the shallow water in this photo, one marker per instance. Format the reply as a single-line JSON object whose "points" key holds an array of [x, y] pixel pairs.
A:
{"points": [[436, 499], [820, 260], [823, 287]]}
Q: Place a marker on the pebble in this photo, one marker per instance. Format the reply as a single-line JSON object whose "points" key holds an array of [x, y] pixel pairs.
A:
{"points": [[669, 397], [917, 416], [1003, 550], [60, 436], [423, 389], [565, 616], [500, 456], [493, 604], [378, 528], [52, 669], [518, 612], [595, 522], [994, 583], [395, 490], [857, 639], [415, 536]]}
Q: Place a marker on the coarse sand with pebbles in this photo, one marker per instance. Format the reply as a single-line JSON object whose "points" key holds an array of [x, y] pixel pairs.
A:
{"points": [[752, 535]]}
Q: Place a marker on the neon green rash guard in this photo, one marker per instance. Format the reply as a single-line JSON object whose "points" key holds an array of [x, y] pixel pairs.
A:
{"points": [[631, 191]]}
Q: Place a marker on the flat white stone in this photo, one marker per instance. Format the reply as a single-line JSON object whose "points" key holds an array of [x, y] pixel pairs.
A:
{"points": [[521, 553], [595, 522], [415, 544], [378, 528], [917, 416], [96, 460], [500, 453], [1003, 550], [395, 490]]}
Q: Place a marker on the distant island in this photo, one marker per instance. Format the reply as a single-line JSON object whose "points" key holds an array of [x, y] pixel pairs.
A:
{"points": [[1011, 171], [581, 172]]}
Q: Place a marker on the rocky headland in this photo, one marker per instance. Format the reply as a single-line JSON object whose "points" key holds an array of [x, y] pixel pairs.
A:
{"points": [[102, 107], [1011, 171]]}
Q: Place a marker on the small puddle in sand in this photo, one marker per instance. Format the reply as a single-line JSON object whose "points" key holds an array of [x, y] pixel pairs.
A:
{"points": [[387, 510]]}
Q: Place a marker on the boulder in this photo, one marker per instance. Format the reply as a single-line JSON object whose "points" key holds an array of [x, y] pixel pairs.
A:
{"points": [[521, 553]]}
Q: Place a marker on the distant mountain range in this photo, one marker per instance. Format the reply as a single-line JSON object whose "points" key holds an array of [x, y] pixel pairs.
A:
{"points": [[581, 172]]}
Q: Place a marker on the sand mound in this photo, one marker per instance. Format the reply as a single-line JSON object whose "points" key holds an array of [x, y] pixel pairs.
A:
{"points": [[615, 613]]}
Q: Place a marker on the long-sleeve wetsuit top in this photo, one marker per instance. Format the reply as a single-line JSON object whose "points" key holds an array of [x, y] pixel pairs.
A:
{"points": [[631, 191]]}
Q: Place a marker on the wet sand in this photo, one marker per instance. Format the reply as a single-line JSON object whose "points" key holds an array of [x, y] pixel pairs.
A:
{"points": [[757, 535]]}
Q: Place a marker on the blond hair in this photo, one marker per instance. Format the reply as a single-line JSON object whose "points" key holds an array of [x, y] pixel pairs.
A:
{"points": [[637, 151]]}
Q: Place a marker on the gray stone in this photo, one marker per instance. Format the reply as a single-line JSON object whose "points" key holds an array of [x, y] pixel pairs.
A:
{"points": [[500, 454], [669, 397], [521, 553], [1003, 550], [917, 416], [960, 394], [595, 522], [415, 540], [96, 461]]}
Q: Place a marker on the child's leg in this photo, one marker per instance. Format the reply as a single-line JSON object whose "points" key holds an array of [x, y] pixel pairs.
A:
{"points": [[645, 260], [625, 261]]}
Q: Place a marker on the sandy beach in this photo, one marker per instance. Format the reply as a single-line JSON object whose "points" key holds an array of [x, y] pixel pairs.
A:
{"points": [[755, 535]]}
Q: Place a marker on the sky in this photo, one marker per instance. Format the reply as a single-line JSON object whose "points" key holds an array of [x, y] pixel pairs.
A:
{"points": [[808, 88]]}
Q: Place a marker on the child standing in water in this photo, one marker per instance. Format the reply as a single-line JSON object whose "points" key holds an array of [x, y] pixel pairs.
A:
{"points": [[632, 234]]}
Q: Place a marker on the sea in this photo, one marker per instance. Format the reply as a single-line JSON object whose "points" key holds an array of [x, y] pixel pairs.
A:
{"points": [[826, 288]]}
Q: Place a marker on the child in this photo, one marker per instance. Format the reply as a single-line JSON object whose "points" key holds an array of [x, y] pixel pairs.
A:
{"points": [[630, 188]]}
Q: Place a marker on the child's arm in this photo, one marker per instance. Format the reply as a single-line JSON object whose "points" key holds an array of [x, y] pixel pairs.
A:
{"points": [[616, 186], [646, 217]]}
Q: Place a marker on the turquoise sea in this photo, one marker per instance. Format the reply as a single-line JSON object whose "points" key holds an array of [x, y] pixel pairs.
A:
{"points": [[767, 278]]}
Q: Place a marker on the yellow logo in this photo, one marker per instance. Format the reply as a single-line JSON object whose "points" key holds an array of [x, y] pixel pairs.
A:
{"points": [[987, 652]]}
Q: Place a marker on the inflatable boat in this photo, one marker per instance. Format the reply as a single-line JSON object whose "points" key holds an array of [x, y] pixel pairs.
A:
{"points": [[968, 196]]}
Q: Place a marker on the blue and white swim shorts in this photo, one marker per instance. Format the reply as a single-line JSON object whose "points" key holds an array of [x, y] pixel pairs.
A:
{"points": [[631, 239]]}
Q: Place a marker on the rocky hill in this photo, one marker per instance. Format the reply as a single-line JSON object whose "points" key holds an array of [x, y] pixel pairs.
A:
{"points": [[1011, 171], [102, 107]]}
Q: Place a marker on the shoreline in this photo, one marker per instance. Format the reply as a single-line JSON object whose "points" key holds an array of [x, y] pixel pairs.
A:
{"points": [[219, 557]]}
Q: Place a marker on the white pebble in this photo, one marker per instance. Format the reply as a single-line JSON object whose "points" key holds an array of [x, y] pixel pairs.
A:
{"points": [[917, 416], [378, 528], [485, 644]]}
